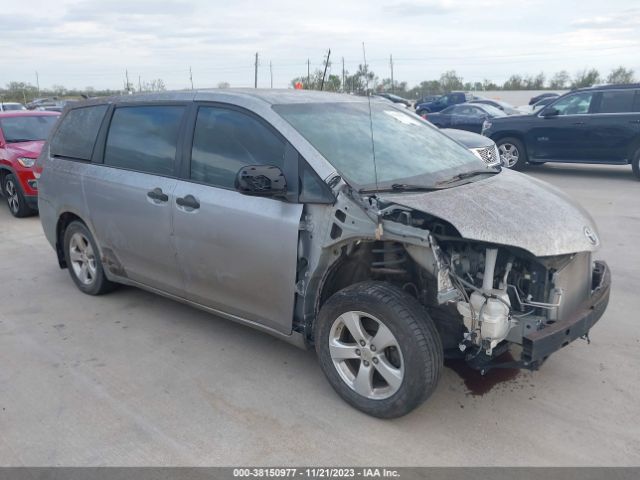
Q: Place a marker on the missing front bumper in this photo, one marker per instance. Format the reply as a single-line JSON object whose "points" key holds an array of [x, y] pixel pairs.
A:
{"points": [[538, 345]]}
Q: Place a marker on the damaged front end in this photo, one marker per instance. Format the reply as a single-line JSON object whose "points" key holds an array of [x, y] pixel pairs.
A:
{"points": [[484, 297]]}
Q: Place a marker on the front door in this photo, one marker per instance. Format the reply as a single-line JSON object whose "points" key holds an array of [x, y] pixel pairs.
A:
{"points": [[562, 137], [130, 195], [237, 253]]}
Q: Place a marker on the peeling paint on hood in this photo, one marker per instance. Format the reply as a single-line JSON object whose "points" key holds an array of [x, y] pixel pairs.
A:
{"points": [[513, 209]]}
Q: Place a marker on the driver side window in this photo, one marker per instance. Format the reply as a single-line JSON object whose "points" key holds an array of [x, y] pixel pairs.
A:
{"points": [[226, 140], [577, 104]]}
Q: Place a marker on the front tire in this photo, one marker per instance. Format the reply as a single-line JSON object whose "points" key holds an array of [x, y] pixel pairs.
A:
{"points": [[513, 155], [83, 260], [378, 348], [15, 199]]}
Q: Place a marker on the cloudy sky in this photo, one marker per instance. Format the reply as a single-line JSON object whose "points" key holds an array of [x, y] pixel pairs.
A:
{"points": [[79, 43]]}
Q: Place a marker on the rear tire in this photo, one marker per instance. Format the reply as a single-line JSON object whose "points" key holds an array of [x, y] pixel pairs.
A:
{"points": [[513, 155], [391, 378], [635, 165], [83, 260], [15, 199]]}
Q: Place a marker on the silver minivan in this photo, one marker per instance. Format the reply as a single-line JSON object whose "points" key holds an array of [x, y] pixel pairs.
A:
{"points": [[327, 220]]}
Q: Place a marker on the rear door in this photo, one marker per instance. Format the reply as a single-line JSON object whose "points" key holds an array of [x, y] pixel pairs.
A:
{"points": [[614, 126], [562, 137], [130, 194], [237, 253]]}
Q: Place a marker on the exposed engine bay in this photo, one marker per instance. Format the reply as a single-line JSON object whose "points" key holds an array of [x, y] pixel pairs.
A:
{"points": [[483, 297]]}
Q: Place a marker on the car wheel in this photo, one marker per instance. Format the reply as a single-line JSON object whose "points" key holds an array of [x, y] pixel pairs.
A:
{"points": [[378, 348], [512, 153], [635, 165], [15, 200], [83, 260]]}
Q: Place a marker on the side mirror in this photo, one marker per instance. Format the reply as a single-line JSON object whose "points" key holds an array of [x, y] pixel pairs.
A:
{"points": [[262, 181], [550, 112]]}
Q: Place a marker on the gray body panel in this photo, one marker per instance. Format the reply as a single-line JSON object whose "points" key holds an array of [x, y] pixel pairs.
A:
{"points": [[137, 229], [238, 253], [509, 208]]}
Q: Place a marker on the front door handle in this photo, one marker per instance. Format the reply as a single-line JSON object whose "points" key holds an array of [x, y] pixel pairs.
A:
{"points": [[578, 123], [188, 202], [158, 195]]}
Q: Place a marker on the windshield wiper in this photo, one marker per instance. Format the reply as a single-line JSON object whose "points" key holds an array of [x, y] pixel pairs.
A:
{"points": [[401, 187], [464, 175], [19, 140], [407, 187]]}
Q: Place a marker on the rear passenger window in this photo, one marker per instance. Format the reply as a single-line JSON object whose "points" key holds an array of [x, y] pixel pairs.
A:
{"points": [[226, 140], [617, 101], [144, 138], [76, 135]]}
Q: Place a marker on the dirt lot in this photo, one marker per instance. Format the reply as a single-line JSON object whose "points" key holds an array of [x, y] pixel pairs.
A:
{"points": [[133, 379]]}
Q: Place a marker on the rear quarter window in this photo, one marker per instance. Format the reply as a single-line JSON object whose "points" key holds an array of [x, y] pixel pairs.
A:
{"points": [[617, 101], [77, 132]]}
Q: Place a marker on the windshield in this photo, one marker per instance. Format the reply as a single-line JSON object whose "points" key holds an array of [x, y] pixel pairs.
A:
{"points": [[27, 129], [407, 149], [493, 111]]}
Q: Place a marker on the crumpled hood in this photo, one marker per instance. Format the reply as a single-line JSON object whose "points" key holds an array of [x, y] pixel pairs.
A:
{"points": [[510, 208], [26, 149]]}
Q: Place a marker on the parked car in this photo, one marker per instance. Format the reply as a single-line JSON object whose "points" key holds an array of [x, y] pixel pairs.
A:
{"points": [[393, 98], [443, 102], [500, 105], [42, 102], [465, 116], [268, 208], [11, 106], [22, 134], [482, 147], [537, 98], [589, 125], [426, 99]]}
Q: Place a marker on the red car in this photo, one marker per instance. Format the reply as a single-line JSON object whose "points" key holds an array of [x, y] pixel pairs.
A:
{"points": [[22, 135]]}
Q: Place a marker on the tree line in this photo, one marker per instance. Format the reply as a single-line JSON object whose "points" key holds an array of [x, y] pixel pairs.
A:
{"points": [[25, 92], [363, 79], [359, 82]]}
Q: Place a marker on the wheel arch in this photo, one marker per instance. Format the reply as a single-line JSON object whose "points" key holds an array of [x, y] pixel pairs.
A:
{"points": [[634, 149], [64, 220]]}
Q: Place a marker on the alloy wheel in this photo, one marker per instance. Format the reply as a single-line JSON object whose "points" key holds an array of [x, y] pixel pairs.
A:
{"points": [[509, 154], [83, 260], [366, 355], [12, 196]]}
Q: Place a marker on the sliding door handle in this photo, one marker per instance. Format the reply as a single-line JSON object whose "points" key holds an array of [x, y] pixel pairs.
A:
{"points": [[188, 202]]}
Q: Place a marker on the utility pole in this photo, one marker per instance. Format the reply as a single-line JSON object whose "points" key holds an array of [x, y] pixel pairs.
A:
{"points": [[271, 73], [393, 88], [326, 64], [126, 76], [255, 83], [139, 84], [308, 74], [38, 83], [344, 87], [191, 77]]}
